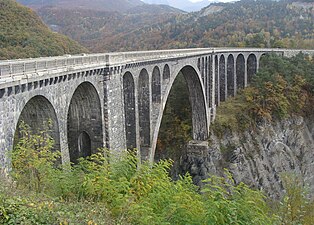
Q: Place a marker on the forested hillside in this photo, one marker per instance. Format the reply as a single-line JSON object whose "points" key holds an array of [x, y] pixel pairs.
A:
{"points": [[23, 35], [92, 27], [259, 23]]}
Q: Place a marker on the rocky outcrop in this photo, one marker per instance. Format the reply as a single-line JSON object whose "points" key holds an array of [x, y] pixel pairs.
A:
{"points": [[258, 157]]}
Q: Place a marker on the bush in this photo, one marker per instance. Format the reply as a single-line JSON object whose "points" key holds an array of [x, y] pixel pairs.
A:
{"points": [[120, 190]]}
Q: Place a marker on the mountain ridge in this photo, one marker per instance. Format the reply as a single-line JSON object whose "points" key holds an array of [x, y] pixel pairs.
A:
{"points": [[245, 23], [122, 6]]}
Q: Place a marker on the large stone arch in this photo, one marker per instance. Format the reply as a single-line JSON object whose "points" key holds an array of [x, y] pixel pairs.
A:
{"points": [[129, 110], [251, 67], [156, 86], [198, 104], [230, 75], [240, 71], [222, 78], [84, 122], [144, 113], [39, 114]]}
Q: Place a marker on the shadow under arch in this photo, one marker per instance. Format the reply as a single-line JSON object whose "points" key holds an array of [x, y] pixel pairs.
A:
{"points": [[156, 85], [40, 115], [129, 110], [144, 114], [84, 122], [222, 78], [198, 104], [166, 73], [240, 71], [251, 67], [230, 76]]}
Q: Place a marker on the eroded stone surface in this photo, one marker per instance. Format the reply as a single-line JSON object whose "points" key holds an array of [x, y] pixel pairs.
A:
{"points": [[259, 157]]}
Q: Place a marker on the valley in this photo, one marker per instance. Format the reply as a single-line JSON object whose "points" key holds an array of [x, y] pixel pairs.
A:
{"points": [[215, 119]]}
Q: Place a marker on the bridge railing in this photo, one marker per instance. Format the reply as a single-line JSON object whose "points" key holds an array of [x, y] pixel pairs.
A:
{"points": [[125, 57], [10, 68]]}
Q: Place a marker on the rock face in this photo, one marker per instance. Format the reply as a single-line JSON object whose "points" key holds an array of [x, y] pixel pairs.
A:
{"points": [[259, 157]]}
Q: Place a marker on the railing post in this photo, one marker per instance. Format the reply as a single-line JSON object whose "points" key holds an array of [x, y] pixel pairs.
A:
{"points": [[11, 69]]}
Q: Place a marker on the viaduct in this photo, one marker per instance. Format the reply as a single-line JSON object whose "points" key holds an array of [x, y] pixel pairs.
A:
{"points": [[116, 100]]}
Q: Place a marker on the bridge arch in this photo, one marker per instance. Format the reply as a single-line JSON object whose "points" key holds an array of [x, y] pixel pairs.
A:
{"points": [[166, 73], [144, 113], [84, 122], [251, 67], [240, 71], [230, 75], [156, 86], [39, 114], [129, 110], [198, 104], [217, 83], [222, 78]]}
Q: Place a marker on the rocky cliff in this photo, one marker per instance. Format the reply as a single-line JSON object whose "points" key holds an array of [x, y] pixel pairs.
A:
{"points": [[258, 157]]}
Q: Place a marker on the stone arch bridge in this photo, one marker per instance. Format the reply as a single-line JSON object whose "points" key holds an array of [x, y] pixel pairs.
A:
{"points": [[116, 100]]}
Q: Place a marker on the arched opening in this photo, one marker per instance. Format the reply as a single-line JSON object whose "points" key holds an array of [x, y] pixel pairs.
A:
{"points": [[222, 78], [156, 88], [230, 75], [183, 119], [84, 144], [144, 113], [84, 122], [240, 70], [206, 71], [251, 67], [39, 115], [129, 110], [209, 82], [216, 82], [199, 64], [166, 73], [203, 69]]}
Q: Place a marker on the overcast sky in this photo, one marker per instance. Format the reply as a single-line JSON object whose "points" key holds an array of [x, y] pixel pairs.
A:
{"points": [[212, 1]]}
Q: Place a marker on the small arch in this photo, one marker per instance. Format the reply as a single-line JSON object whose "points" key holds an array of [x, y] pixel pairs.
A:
{"points": [[203, 68], [84, 144], [251, 67], [36, 113], [166, 73], [230, 75], [84, 115], [216, 81], [240, 71], [206, 71], [156, 87], [199, 64], [129, 110], [222, 78], [208, 86], [262, 59], [144, 113]]}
